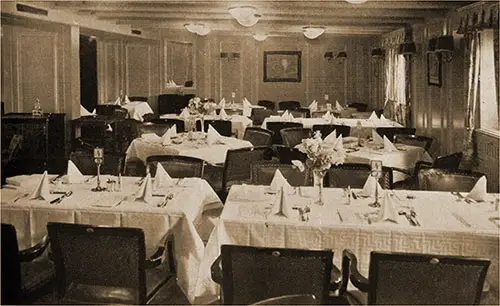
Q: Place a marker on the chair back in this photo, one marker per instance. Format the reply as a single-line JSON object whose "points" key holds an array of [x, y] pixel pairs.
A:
{"points": [[11, 265], [237, 168], [267, 104], [167, 104], [293, 136], [263, 174], [177, 166], [179, 123], [258, 136], [360, 107], [224, 127], [126, 131], [251, 274], [188, 83], [15, 145], [414, 140], [120, 113], [107, 110], [289, 105], [157, 127], [450, 161], [355, 175], [134, 167], [89, 259], [150, 117], [94, 131], [84, 161], [434, 179], [292, 299], [259, 114], [287, 154], [389, 132], [301, 113], [138, 99], [326, 129], [425, 279], [277, 126]]}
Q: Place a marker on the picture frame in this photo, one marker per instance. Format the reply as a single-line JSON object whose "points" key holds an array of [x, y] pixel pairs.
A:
{"points": [[434, 69], [282, 66]]}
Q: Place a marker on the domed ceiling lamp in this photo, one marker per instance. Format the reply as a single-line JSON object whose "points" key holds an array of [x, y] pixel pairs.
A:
{"points": [[313, 32], [246, 15], [198, 28], [260, 36]]}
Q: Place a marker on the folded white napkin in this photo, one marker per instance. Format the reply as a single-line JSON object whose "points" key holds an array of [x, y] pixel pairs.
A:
{"points": [[173, 130], [247, 108], [331, 138], [388, 210], [165, 139], [290, 117], [383, 119], [327, 116], [184, 114], [278, 182], [151, 137], [373, 116], [282, 206], [145, 193], [285, 115], [41, 191], [245, 101], [370, 185], [389, 146], [223, 115], [478, 192], [162, 179], [85, 112], [173, 83], [222, 103], [118, 101], [338, 106], [109, 129], [212, 135], [313, 106], [339, 145], [126, 100], [377, 139], [74, 176]]}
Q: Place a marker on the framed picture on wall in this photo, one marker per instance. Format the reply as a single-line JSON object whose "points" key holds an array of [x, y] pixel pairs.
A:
{"points": [[282, 66], [434, 69]]}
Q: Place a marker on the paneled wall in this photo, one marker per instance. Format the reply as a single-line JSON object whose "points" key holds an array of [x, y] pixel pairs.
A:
{"points": [[488, 161], [216, 77]]}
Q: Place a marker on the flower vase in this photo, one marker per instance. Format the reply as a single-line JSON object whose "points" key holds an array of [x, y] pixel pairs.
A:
{"points": [[202, 121], [318, 177]]}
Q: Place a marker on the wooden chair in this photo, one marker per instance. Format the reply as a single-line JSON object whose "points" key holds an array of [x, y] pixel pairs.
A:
{"points": [[293, 136], [250, 274], [224, 127], [119, 113], [258, 136], [263, 174], [277, 126], [150, 117], [237, 167], [434, 179], [355, 175], [289, 105], [414, 140], [159, 128], [418, 279], [267, 104], [301, 113], [106, 110], [292, 299], [179, 123], [84, 161], [96, 265], [326, 129], [177, 166], [25, 275], [259, 114], [125, 131], [287, 154], [9, 155], [389, 132], [360, 107], [137, 98], [134, 167]]}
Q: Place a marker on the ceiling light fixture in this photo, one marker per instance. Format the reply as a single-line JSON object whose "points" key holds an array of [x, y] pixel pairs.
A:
{"points": [[356, 1], [197, 28], [260, 36], [312, 32], [246, 15]]}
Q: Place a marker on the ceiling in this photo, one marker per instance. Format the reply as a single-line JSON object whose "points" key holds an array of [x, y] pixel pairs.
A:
{"points": [[373, 17]]}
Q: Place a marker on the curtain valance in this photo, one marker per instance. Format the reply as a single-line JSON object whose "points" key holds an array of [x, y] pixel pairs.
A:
{"points": [[478, 17], [393, 39]]}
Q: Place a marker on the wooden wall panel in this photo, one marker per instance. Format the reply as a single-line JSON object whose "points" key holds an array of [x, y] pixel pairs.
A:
{"points": [[178, 59], [487, 146], [137, 72], [109, 70]]}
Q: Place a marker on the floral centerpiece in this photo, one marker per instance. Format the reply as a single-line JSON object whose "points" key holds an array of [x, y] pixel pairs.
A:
{"points": [[200, 108], [321, 156]]}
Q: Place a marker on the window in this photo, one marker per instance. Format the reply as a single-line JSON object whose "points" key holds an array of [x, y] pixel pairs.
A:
{"points": [[488, 98]]}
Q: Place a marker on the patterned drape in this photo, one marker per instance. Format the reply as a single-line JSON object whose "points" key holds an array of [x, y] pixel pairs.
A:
{"points": [[396, 84]]}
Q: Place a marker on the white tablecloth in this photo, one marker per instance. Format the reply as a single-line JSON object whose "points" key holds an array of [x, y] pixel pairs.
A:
{"points": [[214, 154], [244, 222], [137, 109], [238, 122], [181, 214], [366, 125]]}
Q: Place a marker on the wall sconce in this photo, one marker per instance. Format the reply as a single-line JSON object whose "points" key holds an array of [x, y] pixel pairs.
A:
{"points": [[340, 57], [432, 45], [246, 15], [230, 55], [445, 46], [260, 36], [377, 53], [313, 32], [329, 55], [408, 47]]}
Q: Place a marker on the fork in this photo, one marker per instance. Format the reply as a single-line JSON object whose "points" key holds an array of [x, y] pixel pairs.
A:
{"points": [[20, 197], [461, 197]]}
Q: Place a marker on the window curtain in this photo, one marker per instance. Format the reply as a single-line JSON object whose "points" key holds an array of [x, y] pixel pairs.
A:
{"points": [[396, 85]]}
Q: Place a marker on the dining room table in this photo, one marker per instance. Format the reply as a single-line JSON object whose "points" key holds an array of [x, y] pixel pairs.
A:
{"points": [[192, 144], [175, 209], [430, 222], [137, 109]]}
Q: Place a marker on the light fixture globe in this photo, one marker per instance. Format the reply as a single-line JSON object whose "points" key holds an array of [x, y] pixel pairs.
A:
{"points": [[356, 1], [246, 15], [197, 28], [260, 36], [313, 32]]}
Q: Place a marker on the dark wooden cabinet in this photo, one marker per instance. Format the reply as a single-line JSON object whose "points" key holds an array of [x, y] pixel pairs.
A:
{"points": [[43, 144]]}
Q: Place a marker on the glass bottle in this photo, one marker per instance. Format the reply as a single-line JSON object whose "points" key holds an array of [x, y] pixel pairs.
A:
{"points": [[37, 109]]}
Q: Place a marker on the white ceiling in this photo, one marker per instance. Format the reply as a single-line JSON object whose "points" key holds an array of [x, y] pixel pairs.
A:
{"points": [[374, 17]]}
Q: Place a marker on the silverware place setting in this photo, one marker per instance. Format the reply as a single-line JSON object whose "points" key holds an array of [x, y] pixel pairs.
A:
{"points": [[62, 197], [167, 198]]}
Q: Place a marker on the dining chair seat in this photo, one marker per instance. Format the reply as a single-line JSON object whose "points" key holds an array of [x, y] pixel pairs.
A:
{"points": [[434, 179]]}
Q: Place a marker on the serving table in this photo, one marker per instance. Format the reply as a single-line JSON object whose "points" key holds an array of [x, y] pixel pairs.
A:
{"points": [[137, 109], [447, 227], [197, 147], [179, 216]]}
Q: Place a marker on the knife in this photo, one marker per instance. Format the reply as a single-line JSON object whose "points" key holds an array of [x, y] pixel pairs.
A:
{"points": [[59, 199]]}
